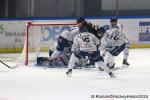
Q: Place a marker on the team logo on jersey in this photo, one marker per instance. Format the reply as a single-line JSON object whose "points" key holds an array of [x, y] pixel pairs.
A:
{"points": [[85, 39], [144, 31]]}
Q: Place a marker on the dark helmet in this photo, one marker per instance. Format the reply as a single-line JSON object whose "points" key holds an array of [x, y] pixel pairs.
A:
{"points": [[101, 30], [83, 29], [80, 19], [113, 19]]}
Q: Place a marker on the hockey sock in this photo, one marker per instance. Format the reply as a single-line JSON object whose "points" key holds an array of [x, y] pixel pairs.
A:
{"points": [[109, 59], [126, 53], [72, 61]]}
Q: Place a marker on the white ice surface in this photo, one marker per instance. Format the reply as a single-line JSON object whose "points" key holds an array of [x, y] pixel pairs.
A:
{"points": [[33, 83]]}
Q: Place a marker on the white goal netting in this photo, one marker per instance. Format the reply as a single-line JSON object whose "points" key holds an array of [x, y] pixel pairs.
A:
{"points": [[40, 38]]}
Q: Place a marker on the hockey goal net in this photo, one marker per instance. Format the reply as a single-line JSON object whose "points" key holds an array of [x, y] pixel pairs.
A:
{"points": [[41, 38]]}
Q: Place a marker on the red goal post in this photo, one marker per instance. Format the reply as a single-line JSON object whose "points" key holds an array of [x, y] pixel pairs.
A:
{"points": [[30, 25]]}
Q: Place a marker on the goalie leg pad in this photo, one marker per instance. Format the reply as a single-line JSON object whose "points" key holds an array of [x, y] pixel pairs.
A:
{"points": [[41, 61], [55, 54]]}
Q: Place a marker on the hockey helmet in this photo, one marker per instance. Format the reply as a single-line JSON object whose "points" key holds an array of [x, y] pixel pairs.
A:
{"points": [[80, 19], [101, 30], [113, 19]]}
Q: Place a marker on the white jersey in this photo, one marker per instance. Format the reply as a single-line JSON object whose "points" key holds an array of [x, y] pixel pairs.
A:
{"points": [[113, 38], [118, 26], [70, 34], [85, 42], [120, 30]]}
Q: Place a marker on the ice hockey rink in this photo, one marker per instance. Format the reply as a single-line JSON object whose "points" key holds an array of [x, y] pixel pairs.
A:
{"points": [[38, 83]]}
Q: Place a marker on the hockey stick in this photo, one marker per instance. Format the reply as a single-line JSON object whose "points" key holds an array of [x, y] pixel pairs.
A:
{"points": [[13, 67]]}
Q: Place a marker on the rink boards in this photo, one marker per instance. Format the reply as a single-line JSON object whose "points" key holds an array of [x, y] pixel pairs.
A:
{"points": [[13, 31]]}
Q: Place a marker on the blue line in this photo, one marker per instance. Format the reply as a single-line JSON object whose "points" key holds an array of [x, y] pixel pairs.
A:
{"points": [[73, 18]]}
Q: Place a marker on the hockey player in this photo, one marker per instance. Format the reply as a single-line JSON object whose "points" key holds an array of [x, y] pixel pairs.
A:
{"points": [[114, 24], [112, 44], [90, 27], [86, 45], [65, 41]]}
